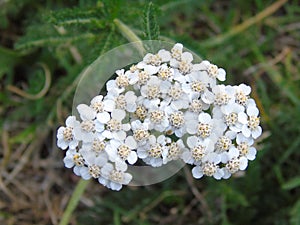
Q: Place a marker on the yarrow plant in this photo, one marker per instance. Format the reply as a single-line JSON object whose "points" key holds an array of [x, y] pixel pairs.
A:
{"points": [[162, 109]]}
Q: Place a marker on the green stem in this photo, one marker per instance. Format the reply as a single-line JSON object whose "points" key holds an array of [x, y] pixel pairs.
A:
{"points": [[129, 34], [73, 202]]}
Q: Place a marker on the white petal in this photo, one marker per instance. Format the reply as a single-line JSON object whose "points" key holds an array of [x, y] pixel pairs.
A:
{"points": [[106, 169], [151, 69], [109, 105], [119, 135], [76, 170], [86, 112], [197, 172], [204, 118], [164, 55], [243, 163], [227, 174], [127, 177], [85, 173], [257, 132], [187, 56], [233, 152], [222, 74], [245, 88], [130, 141], [242, 118], [132, 157], [73, 144], [70, 121], [142, 154], [115, 186], [120, 165], [62, 144], [69, 163], [103, 117], [230, 134], [246, 132], [107, 134], [252, 111], [118, 114], [126, 127], [218, 174], [208, 97], [192, 141], [251, 154], [103, 181]]}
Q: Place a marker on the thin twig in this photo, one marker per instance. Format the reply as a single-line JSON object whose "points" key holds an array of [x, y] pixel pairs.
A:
{"points": [[197, 194]]}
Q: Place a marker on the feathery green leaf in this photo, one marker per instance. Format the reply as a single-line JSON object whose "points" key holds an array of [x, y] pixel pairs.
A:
{"points": [[150, 25]]}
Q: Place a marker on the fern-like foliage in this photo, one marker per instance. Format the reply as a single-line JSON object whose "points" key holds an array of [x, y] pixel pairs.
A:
{"points": [[89, 17], [150, 25]]}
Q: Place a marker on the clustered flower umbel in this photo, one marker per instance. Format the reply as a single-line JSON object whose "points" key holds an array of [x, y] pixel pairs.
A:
{"points": [[163, 108]]}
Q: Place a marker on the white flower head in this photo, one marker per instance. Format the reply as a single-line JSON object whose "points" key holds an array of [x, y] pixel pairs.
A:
{"points": [[162, 109]]}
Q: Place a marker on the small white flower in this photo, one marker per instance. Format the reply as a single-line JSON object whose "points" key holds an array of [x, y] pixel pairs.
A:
{"points": [[140, 131], [125, 102], [176, 51], [250, 122], [102, 119], [74, 159], [97, 104], [114, 128], [93, 164], [202, 127], [155, 149], [196, 82], [233, 165], [65, 135], [184, 65], [157, 118], [122, 150], [229, 114], [242, 94], [85, 131], [208, 168], [165, 73], [175, 151], [114, 177], [111, 86], [212, 70], [198, 149], [177, 122], [197, 106], [151, 91], [223, 94], [244, 146]]}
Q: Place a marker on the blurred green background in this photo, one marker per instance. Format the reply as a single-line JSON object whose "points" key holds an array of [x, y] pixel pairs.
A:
{"points": [[44, 45]]}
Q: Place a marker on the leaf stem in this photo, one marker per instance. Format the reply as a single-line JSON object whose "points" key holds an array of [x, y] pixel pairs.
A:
{"points": [[129, 34], [73, 202]]}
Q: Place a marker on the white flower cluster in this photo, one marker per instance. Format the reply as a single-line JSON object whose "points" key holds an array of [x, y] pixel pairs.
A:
{"points": [[163, 108]]}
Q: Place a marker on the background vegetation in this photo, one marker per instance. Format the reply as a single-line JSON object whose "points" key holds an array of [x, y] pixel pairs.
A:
{"points": [[44, 45]]}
